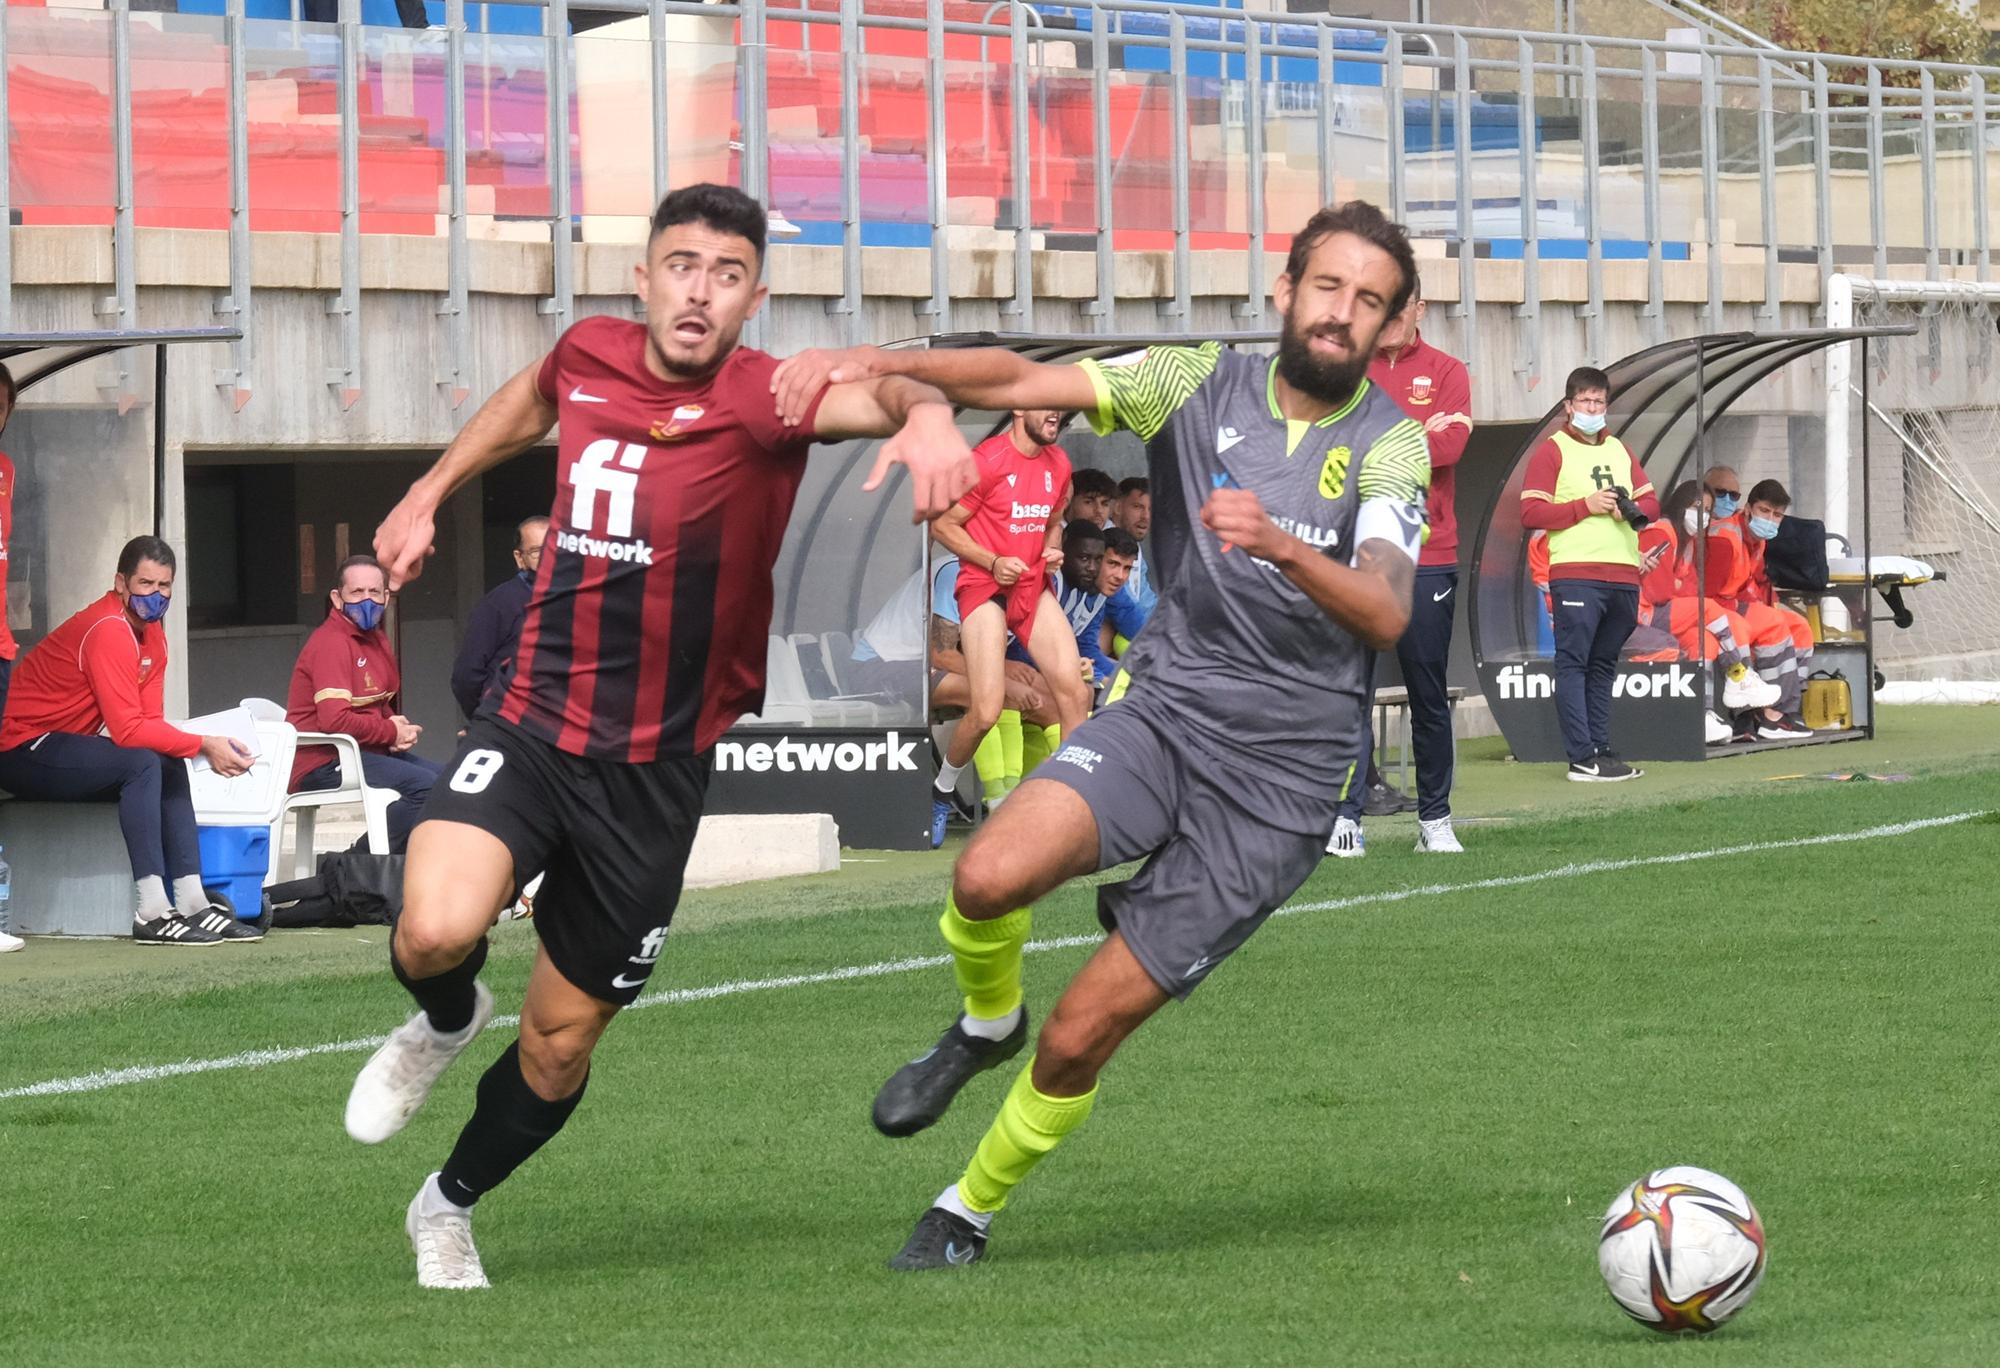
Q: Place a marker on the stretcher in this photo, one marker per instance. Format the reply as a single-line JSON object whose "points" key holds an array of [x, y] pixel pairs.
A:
{"points": [[1888, 575]]}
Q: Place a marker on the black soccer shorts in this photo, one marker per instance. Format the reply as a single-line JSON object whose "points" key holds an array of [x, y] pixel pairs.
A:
{"points": [[610, 839]]}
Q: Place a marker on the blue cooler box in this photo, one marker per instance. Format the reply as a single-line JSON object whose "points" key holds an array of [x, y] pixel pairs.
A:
{"points": [[234, 860]]}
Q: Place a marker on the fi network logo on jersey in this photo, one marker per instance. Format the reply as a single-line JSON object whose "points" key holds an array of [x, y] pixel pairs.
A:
{"points": [[787, 756], [610, 468]]}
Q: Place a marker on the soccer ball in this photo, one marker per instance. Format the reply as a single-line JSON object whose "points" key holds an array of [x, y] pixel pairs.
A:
{"points": [[1681, 1249]]}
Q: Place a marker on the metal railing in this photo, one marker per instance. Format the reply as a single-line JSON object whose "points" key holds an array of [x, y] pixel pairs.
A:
{"points": [[1104, 125]]}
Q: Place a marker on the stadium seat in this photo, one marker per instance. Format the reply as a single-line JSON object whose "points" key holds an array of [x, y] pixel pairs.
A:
{"points": [[374, 801], [809, 652]]}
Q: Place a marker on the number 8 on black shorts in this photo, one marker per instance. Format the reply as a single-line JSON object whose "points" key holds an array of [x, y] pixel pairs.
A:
{"points": [[610, 837]]}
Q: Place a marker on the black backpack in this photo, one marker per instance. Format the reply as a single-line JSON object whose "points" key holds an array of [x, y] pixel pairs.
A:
{"points": [[1796, 557]]}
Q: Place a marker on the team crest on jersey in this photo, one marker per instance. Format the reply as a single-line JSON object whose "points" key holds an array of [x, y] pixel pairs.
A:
{"points": [[672, 429], [1333, 475], [1048, 482], [1420, 390]]}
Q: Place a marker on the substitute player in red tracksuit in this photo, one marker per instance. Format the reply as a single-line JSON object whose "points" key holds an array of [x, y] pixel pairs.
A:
{"points": [[86, 723], [346, 682], [1435, 389], [1735, 565], [1007, 536]]}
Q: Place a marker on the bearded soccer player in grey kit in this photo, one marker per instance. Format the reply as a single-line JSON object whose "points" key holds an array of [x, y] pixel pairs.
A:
{"points": [[1289, 508]]}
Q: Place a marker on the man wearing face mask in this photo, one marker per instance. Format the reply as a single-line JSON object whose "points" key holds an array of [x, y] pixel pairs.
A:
{"points": [[346, 681], [1735, 575], [85, 723], [1571, 493], [494, 629]]}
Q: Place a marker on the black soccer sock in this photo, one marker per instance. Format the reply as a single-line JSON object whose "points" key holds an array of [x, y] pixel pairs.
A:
{"points": [[509, 1122], [447, 998]]}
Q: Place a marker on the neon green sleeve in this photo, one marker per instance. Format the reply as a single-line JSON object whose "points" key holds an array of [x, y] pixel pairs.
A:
{"points": [[1398, 466], [1140, 396]]}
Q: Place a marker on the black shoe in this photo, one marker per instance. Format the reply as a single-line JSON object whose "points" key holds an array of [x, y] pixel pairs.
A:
{"points": [[172, 930], [225, 927], [1603, 769], [1386, 800], [917, 1094], [942, 1239], [1784, 729]]}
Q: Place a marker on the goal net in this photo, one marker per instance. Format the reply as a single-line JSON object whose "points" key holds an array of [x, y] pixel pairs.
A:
{"points": [[1933, 415]]}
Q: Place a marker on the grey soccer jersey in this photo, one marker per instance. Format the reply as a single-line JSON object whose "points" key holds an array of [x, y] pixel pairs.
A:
{"points": [[1263, 681]]}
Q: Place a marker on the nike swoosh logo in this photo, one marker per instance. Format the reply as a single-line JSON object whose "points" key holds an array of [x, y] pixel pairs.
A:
{"points": [[952, 1254], [1440, 598], [577, 396], [622, 982]]}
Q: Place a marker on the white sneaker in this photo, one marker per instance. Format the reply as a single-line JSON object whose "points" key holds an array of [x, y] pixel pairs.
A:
{"points": [[398, 1077], [1718, 732], [1741, 695], [442, 1238], [8, 943], [1437, 837], [1347, 841]]}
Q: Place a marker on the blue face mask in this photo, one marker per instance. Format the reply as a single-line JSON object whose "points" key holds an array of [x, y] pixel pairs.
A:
{"points": [[149, 607], [1726, 504], [1763, 528], [1589, 424], [367, 614]]}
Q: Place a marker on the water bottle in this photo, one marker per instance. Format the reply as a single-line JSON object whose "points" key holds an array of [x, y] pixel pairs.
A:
{"points": [[6, 891]]}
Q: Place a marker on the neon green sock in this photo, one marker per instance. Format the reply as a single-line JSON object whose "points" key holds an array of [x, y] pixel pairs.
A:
{"points": [[986, 958], [1037, 745], [990, 759], [1009, 727], [1029, 1125], [1739, 671]]}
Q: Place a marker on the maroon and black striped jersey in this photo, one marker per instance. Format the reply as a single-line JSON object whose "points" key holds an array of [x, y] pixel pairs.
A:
{"points": [[647, 630]]}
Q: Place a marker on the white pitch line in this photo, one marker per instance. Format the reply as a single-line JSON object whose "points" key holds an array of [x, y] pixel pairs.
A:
{"points": [[251, 1059]]}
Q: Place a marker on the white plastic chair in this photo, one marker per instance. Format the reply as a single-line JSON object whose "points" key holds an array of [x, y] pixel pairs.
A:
{"points": [[351, 789]]}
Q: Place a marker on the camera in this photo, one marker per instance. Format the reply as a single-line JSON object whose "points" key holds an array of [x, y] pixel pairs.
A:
{"points": [[1629, 511]]}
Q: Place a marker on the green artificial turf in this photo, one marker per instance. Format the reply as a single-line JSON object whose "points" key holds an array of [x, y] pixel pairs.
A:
{"points": [[1383, 1133]]}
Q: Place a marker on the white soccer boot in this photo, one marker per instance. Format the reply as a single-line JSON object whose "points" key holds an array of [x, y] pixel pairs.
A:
{"points": [[1347, 841], [1436, 837], [8, 943], [1741, 695], [398, 1077], [441, 1234], [1717, 732]]}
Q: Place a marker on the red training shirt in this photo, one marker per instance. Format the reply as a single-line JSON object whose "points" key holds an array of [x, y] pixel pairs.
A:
{"points": [[1017, 497], [345, 681], [1425, 382], [8, 647], [646, 634], [93, 674]]}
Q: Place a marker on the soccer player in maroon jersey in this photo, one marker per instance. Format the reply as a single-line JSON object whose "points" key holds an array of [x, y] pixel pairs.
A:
{"points": [[644, 640], [1007, 535]]}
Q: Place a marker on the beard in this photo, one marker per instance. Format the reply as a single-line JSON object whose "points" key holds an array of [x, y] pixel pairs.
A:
{"points": [[1329, 381]]}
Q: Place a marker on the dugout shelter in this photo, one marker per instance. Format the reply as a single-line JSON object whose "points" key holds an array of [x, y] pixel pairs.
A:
{"points": [[1665, 403]]}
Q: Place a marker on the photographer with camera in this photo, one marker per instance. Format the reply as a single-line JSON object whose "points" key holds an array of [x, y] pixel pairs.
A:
{"points": [[1584, 489]]}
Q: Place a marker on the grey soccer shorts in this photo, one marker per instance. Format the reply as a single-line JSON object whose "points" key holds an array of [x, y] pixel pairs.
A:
{"points": [[1217, 864]]}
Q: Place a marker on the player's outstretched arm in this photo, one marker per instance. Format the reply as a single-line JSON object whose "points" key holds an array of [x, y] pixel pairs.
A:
{"points": [[923, 437], [514, 418], [976, 377], [1370, 599]]}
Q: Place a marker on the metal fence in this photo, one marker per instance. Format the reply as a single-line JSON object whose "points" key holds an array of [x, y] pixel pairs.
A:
{"points": [[1104, 126]]}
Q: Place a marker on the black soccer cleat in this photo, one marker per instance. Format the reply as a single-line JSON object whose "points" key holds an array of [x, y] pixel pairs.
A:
{"points": [[225, 927], [942, 1239], [917, 1094], [172, 929]]}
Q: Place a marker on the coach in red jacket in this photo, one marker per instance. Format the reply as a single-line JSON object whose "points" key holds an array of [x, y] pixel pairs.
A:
{"points": [[85, 723], [346, 682], [1431, 387]]}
